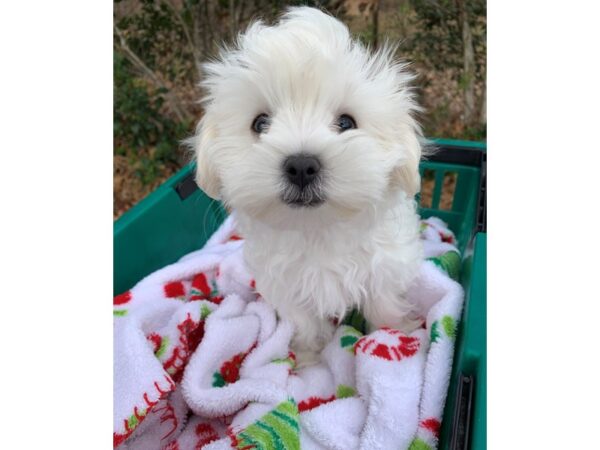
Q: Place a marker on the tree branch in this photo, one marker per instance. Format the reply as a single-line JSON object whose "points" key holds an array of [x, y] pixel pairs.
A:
{"points": [[185, 29], [232, 19], [176, 105], [468, 73]]}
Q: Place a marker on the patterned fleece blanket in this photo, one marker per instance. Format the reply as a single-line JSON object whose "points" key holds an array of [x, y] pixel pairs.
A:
{"points": [[201, 362]]}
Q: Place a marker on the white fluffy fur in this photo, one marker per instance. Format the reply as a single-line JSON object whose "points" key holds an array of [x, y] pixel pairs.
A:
{"points": [[360, 248]]}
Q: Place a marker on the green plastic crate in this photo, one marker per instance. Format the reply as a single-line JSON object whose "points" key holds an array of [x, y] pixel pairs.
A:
{"points": [[178, 218]]}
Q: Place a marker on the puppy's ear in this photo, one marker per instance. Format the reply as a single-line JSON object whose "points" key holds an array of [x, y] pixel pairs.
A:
{"points": [[206, 172], [406, 175]]}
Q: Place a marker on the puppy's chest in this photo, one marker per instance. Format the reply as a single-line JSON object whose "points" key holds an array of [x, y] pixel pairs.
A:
{"points": [[326, 282]]}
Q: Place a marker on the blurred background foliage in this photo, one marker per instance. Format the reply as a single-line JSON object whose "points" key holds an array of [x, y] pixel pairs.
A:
{"points": [[159, 43]]}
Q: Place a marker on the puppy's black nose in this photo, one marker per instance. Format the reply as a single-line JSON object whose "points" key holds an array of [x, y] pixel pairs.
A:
{"points": [[301, 169]]}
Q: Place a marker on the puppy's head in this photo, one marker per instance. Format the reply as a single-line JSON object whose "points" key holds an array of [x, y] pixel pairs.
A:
{"points": [[303, 123]]}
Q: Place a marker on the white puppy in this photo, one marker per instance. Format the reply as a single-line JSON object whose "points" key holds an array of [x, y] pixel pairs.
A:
{"points": [[311, 139]]}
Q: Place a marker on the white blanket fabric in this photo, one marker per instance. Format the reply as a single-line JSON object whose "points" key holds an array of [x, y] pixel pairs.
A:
{"points": [[202, 362]]}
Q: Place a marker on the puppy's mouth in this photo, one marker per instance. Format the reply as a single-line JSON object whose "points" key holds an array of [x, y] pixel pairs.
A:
{"points": [[309, 197], [305, 203]]}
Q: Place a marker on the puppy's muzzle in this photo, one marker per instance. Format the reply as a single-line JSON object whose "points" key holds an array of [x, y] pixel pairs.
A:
{"points": [[302, 173]]}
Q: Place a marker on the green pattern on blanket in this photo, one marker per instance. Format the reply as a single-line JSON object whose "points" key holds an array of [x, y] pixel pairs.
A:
{"points": [[204, 312], [434, 334], [419, 444], [164, 344], [351, 335], [447, 324], [218, 380], [133, 421], [344, 391], [449, 262], [289, 361], [276, 430]]}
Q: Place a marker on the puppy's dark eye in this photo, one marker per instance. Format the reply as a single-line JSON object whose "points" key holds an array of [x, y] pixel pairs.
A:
{"points": [[261, 123], [345, 122]]}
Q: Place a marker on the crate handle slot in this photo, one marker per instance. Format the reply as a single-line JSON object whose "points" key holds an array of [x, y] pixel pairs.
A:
{"points": [[463, 413], [186, 187], [481, 226]]}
